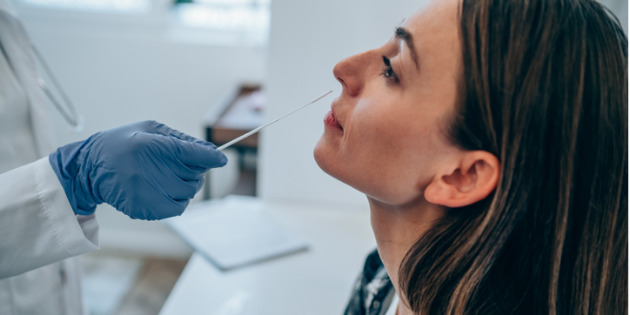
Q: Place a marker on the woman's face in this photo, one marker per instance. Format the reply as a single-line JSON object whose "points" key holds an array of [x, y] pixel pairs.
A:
{"points": [[386, 134]]}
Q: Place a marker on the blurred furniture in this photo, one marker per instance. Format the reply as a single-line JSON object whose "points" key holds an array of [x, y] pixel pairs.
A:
{"points": [[236, 113], [236, 233], [316, 281]]}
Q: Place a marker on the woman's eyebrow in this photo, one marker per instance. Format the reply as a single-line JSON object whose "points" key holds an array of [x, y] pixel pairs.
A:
{"points": [[403, 34]]}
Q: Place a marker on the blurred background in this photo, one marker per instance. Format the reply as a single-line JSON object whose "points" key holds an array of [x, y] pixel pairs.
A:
{"points": [[181, 62]]}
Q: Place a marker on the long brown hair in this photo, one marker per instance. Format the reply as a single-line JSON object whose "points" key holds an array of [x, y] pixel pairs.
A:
{"points": [[545, 90]]}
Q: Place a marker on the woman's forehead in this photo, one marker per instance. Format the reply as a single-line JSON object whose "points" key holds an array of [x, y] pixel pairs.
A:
{"points": [[434, 16], [434, 30]]}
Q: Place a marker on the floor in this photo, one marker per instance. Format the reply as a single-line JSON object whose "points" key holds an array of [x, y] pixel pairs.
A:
{"points": [[152, 287], [125, 285]]}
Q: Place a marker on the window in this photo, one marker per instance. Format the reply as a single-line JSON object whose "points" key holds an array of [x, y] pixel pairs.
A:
{"points": [[125, 6], [214, 22], [242, 18]]}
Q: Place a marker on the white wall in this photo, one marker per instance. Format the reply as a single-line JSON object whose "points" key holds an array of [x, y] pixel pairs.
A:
{"points": [[121, 74], [307, 39]]}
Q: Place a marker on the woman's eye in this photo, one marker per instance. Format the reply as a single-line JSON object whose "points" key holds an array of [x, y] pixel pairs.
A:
{"points": [[388, 72]]}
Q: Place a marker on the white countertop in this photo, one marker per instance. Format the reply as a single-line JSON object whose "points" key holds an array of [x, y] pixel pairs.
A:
{"points": [[316, 281]]}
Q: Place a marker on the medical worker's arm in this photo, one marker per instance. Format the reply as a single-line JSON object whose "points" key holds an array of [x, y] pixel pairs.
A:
{"points": [[37, 224], [145, 170]]}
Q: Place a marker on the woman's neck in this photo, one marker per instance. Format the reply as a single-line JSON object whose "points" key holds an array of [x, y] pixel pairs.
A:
{"points": [[396, 229]]}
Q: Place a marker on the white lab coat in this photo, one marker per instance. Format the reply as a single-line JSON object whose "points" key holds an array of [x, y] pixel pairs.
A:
{"points": [[38, 228]]}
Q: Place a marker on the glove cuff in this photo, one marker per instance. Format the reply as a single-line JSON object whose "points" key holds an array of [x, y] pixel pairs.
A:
{"points": [[65, 163]]}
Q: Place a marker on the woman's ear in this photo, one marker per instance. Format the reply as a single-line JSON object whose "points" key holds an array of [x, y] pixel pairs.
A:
{"points": [[471, 179]]}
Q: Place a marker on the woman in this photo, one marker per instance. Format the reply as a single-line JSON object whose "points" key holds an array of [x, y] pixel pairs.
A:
{"points": [[490, 137]]}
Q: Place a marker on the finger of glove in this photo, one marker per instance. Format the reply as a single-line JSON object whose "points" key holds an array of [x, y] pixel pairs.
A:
{"points": [[198, 156], [175, 187], [147, 176], [171, 211], [157, 154], [165, 130], [166, 208], [149, 199]]}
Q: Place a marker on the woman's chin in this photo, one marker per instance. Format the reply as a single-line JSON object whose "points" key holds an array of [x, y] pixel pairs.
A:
{"points": [[325, 158], [320, 155]]}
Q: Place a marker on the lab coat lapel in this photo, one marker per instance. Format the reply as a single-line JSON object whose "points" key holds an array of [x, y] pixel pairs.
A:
{"points": [[17, 47]]}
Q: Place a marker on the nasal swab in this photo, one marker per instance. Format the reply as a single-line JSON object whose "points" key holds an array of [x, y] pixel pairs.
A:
{"points": [[227, 145]]}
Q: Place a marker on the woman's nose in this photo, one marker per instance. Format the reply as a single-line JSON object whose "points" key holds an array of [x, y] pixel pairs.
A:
{"points": [[349, 72]]}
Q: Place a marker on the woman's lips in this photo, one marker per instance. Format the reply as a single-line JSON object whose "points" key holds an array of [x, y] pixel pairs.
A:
{"points": [[331, 121]]}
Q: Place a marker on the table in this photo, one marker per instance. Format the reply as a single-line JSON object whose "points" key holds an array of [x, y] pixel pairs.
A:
{"points": [[316, 281]]}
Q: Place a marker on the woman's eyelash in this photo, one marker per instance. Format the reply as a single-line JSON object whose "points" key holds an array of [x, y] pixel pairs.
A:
{"points": [[388, 72]]}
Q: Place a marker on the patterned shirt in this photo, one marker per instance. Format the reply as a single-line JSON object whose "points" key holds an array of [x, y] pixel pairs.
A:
{"points": [[373, 291]]}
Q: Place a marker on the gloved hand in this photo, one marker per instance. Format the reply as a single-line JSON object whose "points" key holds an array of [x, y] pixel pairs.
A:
{"points": [[145, 170]]}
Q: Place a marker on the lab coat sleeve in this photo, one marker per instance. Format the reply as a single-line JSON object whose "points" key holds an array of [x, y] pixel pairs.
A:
{"points": [[37, 224]]}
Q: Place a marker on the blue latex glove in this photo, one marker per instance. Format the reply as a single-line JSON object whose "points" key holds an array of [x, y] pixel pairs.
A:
{"points": [[145, 170]]}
